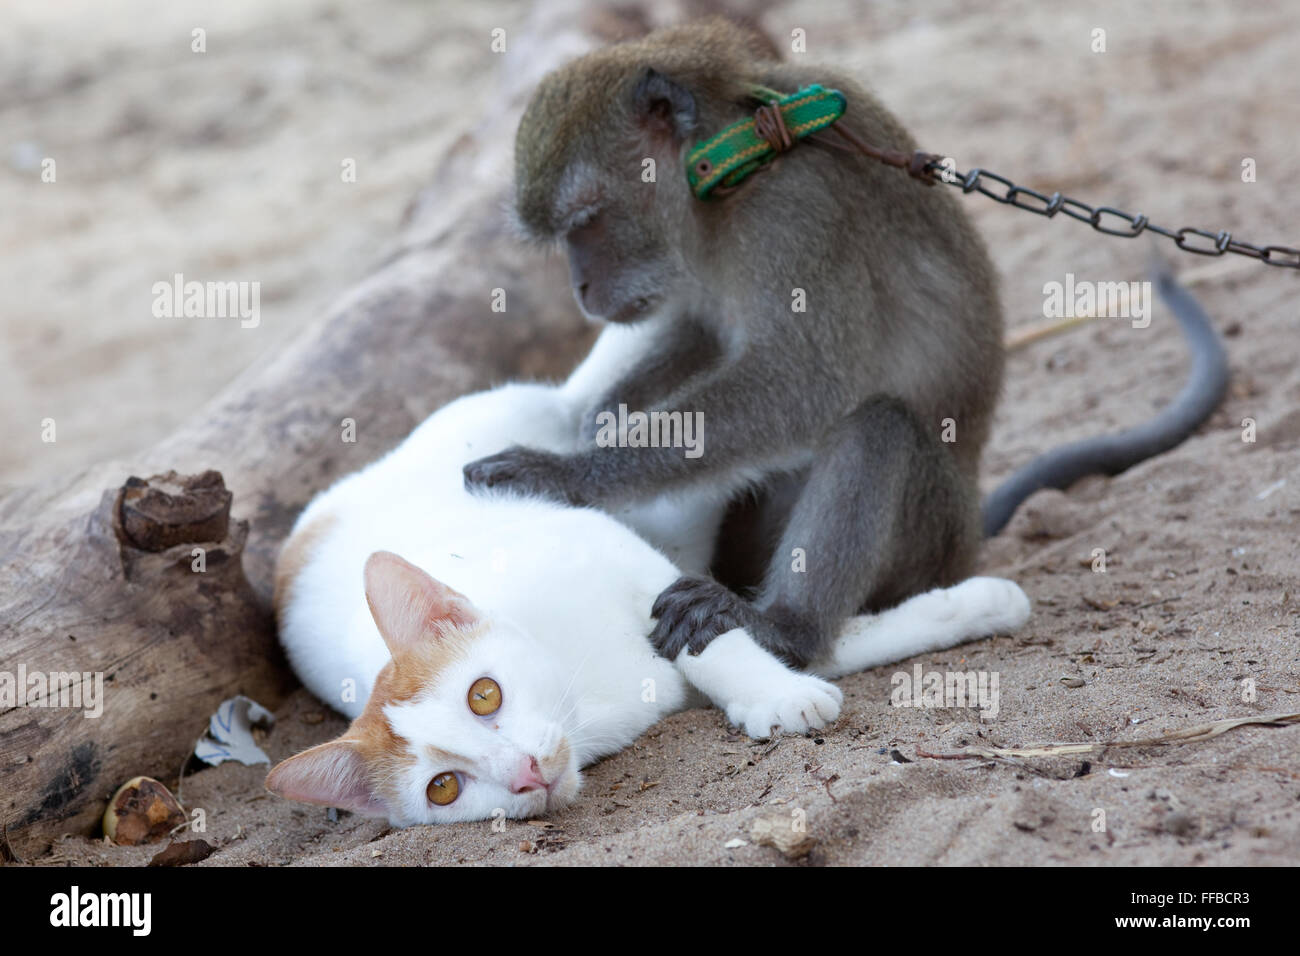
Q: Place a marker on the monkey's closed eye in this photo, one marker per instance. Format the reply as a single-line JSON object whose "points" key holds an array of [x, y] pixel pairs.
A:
{"points": [[581, 218]]}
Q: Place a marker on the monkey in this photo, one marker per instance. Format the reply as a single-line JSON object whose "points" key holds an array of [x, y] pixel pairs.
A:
{"points": [[831, 416], [847, 432]]}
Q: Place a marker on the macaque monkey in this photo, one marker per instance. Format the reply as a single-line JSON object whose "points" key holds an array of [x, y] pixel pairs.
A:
{"points": [[836, 323]]}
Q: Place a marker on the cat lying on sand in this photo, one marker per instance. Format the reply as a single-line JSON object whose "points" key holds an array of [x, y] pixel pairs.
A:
{"points": [[500, 644]]}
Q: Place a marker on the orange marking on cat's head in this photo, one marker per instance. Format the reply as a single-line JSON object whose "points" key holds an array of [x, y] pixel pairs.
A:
{"points": [[413, 671], [428, 627], [370, 752]]}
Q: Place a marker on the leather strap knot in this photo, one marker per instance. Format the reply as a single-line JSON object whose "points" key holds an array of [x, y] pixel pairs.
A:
{"points": [[769, 124]]}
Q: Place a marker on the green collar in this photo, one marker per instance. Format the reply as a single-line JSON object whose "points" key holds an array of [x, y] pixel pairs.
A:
{"points": [[739, 150]]}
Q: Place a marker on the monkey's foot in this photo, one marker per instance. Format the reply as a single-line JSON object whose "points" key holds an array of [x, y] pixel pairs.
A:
{"points": [[693, 610], [524, 471]]}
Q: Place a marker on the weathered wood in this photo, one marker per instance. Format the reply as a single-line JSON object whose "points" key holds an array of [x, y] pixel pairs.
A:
{"points": [[97, 573]]}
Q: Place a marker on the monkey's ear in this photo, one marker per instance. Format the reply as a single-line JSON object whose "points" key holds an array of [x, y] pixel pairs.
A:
{"points": [[664, 108]]}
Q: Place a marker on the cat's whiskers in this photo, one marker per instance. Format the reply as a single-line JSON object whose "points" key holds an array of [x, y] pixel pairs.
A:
{"points": [[586, 723], [569, 687], [600, 745], [580, 742]]}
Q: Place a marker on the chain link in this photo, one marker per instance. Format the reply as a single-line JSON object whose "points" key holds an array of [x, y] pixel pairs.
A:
{"points": [[1107, 219]]}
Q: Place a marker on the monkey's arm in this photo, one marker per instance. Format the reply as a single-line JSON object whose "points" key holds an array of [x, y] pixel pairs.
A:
{"points": [[676, 354], [744, 415]]}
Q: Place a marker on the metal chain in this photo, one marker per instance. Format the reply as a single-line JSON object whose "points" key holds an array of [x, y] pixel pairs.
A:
{"points": [[1197, 241]]}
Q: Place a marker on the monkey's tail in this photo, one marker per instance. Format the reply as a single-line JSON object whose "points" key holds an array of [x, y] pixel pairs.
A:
{"points": [[1110, 454]]}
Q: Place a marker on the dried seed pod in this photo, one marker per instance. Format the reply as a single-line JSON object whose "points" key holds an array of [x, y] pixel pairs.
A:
{"points": [[142, 811]]}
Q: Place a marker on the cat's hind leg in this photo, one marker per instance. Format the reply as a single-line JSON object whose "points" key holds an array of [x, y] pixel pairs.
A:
{"points": [[938, 619]]}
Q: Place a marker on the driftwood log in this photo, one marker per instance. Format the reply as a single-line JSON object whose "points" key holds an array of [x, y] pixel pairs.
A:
{"points": [[155, 573]]}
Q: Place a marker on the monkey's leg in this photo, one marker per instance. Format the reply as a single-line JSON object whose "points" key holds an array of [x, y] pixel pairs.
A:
{"points": [[884, 514], [752, 528]]}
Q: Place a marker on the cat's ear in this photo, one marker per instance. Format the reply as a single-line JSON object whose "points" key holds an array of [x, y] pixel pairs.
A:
{"points": [[331, 775], [409, 606]]}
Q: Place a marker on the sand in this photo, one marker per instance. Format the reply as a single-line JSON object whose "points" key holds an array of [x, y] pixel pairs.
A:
{"points": [[1200, 589]]}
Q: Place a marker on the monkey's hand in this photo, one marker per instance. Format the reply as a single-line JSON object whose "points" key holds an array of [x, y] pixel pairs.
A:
{"points": [[526, 471], [693, 610]]}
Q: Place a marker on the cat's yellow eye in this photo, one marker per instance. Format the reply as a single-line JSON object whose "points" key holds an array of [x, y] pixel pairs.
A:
{"points": [[443, 789], [485, 696]]}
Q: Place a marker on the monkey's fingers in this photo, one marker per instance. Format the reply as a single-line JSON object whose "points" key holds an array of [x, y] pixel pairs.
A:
{"points": [[525, 471], [493, 470], [692, 611]]}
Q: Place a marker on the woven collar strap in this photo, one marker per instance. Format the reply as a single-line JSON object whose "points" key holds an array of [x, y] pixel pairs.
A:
{"points": [[749, 144]]}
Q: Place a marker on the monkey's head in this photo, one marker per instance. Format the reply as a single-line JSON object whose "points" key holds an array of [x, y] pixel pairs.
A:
{"points": [[583, 171]]}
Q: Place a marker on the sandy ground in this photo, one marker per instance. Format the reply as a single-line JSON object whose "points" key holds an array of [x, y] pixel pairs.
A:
{"points": [[167, 168]]}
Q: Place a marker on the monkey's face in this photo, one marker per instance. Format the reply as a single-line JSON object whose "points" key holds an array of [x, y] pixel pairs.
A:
{"points": [[598, 170], [620, 265]]}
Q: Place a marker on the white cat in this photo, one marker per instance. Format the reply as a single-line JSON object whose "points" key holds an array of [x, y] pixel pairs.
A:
{"points": [[508, 646]]}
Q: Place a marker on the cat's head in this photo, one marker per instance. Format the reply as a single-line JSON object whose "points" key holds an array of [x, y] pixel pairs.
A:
{"points": [[462, 724]]}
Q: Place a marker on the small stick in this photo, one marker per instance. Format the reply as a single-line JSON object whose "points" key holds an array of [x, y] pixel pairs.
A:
{"points": [[1026, 335], [1186, 735]]}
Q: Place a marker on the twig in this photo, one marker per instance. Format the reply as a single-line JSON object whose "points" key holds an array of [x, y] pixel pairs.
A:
{"points": [[1194, 734], [1026, 335], [7, 853]]}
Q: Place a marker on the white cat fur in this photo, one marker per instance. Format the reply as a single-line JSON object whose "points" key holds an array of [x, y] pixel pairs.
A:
{"points": [[563, 597]]}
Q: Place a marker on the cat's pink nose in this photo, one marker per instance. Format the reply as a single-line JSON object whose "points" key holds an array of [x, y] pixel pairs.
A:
{"points": [[528, 776]]}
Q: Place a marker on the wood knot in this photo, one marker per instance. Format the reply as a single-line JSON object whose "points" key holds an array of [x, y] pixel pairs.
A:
{"points": [[157, 513]]}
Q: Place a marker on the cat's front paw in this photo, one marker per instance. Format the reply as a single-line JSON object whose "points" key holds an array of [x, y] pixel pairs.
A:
{"points": [[758, 693], [694, 610], [791, 703], [525, 471]]}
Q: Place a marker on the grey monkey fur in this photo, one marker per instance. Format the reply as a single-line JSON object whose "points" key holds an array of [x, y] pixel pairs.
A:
{"points": [[902, 330], [826, 423]]}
